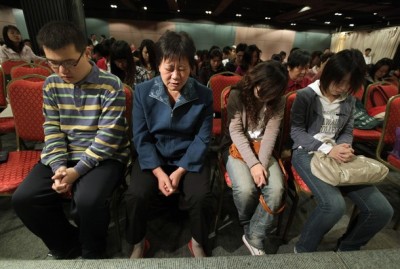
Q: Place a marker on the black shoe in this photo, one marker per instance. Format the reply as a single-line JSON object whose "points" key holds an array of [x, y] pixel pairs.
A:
{"points": [[71, 254]]}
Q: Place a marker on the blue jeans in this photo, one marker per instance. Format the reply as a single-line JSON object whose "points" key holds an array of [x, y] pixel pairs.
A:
{"points": [[375, 210], [256, 221]]}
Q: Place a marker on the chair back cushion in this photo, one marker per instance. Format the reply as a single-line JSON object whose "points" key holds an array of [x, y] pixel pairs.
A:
{"points": [[218, 83], [26, 100], [374, 98], [392, 120], [9, 64], [23, 70], [3, 100]]}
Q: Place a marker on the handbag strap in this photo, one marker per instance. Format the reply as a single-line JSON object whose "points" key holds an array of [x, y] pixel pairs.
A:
{"points": [[266, 207]]}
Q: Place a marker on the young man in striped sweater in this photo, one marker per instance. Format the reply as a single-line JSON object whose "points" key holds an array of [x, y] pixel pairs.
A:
{"points": [[85, 152]]}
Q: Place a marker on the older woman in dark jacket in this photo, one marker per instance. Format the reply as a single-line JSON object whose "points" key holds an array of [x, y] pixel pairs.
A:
{"points": [[172, 122]]}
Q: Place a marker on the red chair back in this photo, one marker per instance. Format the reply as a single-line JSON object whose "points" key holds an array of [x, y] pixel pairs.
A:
{"points": [[392, 120], [3, 100], [9, 64], [23, 70], [224, 103], [373, 98], [128, 108], [284, 136], [218, 83], [26, 100]]}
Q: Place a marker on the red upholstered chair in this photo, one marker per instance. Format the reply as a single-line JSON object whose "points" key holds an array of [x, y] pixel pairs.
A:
{"points": [[217, 84], [30, 69], [372, 97], [388, 135], [9, 64], [6, 123], [296, 184], [3, 94], [26, 101]]}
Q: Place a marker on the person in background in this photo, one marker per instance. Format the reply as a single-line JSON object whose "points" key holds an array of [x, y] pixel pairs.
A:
{"points": [[283, 55], [147, 57], [324, 59], [226, 55], [85, 153], [321, 111], [14, 48], [315, 64], [103, 51], [172, 123], [123, 66], [93, 37], [102, 38], [233, 64], [214, 66], [255, 111], [379, 71], [297, 65], [367, 56], [276, 57], [251, 58]]}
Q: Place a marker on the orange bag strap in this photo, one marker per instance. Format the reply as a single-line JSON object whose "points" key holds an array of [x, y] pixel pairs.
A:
{"points": [[266, 207]]}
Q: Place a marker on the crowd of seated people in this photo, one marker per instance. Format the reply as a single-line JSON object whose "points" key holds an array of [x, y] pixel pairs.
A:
{"points": [[87, 148]]}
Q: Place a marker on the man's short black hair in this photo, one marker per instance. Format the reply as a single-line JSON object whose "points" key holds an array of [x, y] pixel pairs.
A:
{"points": [[59, 34]]}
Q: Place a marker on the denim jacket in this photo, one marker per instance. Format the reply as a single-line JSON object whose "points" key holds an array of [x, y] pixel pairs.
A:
{"points": [[307, 119], [178, 135]]}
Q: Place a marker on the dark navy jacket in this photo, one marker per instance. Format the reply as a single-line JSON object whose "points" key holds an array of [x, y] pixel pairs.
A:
{"points": [[178, 136]]}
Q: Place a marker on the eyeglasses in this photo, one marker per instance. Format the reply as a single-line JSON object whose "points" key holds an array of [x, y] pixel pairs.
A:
{"points": [[68, 64]]}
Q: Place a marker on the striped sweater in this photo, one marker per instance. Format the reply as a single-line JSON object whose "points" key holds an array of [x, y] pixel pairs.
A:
{"points": [[84, 122]]}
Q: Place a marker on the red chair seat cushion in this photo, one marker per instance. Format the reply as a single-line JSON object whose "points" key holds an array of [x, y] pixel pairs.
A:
{"points": [[7, 125], [393, 161], [299, 181], [17, 167], [362, 135]]}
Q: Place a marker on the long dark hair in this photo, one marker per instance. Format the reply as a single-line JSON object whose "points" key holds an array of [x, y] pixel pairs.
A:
{"points": [[121, 50], [151, 49], [271, 78], [8, 41]]}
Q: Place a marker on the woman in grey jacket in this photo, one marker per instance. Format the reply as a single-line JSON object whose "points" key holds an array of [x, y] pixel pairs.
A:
{"points": [[324, 110], [255, 110]]}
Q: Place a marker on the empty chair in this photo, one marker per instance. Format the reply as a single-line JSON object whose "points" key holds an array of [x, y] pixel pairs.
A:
{"points": [[26, 101]]}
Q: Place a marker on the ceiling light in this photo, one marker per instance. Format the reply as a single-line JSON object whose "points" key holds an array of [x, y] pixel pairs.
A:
{"points": [[238, 15], [113, 6], [208, 12], [178, 10], [293, 24], [375, 13], [144, 8], [305, 8], [338, 14], [267, 18], [351, 24], [327, 22]]}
